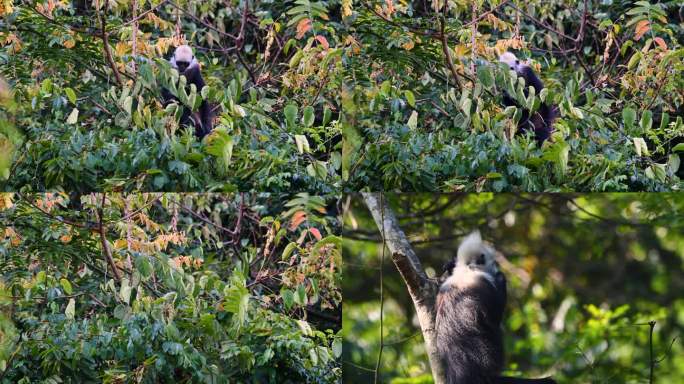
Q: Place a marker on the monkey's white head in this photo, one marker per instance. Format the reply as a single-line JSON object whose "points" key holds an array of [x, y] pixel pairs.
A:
{"points": [[477, 254], [183, 57], [510, 60], [475, 260]]}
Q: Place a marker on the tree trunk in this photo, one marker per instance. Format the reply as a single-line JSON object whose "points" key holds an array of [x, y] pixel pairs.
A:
{"points": [[423, 291]]}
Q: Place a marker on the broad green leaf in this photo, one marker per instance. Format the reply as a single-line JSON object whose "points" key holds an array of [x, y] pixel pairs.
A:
{"points": [[308, 116], [290, 113], [71, 95], [410, 98], [66, 285]]}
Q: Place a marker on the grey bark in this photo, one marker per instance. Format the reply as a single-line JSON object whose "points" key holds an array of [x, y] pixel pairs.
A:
{"points": [[423, 291]]}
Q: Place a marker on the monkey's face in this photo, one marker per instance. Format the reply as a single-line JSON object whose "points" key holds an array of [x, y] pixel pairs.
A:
{"points": [[475, 254], [182, 66]]}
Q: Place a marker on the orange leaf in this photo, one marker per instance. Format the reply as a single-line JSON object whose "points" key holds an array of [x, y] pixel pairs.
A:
{"points": [[297, 219], [303, 27], [641, 28], [323, 41], [661, 43], [316, 233], [408, 45]]}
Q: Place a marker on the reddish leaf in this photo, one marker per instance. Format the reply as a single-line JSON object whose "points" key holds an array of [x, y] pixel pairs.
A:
{"points": [[303, 27], [641, 28], [323, 41], [316, 233], [297, 219]]}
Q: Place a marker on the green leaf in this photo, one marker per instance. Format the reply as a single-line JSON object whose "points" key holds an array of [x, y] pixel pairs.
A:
{"points": [[288, 298], [125, 291], [628, 117], [678, 148], [290, 112], [143, 265], [337, 348], [66, 285], [410, 98], [288, 251], [71, 95], [220, 144], [646, 121], [327, 115], [237, 302], [308, 116], [300, 296], [485, 75]]}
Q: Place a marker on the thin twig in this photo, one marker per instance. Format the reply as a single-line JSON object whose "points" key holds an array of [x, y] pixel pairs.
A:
{"points": [[105, 41], [103, 238], [445, 46]]}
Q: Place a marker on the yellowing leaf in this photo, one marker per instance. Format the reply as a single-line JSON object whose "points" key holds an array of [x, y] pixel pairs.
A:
{"points": [[73, 116], [70, 311], [303, 27], [641, 28], [413, 120], [6, 201], [6, 7], [346, 8]]}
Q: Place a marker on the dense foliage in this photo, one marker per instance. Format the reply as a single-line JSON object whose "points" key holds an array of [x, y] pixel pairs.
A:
{"points": [[156, 288], [85, 82], [586, 274], [423, 97]]}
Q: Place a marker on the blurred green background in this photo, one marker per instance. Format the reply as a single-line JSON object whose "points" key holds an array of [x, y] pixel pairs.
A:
{"points": [[586, 274]]}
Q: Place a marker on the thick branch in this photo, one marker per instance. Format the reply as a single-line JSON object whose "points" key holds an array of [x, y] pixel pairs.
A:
{"points": [[422, 290]]}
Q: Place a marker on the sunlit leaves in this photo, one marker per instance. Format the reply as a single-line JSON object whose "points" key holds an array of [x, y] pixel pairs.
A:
{"points": [[70, 311], [73, 116]]}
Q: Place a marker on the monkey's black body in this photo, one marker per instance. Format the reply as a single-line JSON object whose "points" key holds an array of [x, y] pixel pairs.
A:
{"points": [[469, 335], [541, 122], [200, 120]]}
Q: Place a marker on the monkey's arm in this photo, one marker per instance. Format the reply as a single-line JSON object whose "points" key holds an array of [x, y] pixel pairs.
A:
{"points": [[531, 79], [194, 76], [167, 97]]}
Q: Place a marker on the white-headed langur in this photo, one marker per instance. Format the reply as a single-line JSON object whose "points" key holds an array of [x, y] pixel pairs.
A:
{"points": [[469, 311], [541, 121], [187, 65], [470, 306]]}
